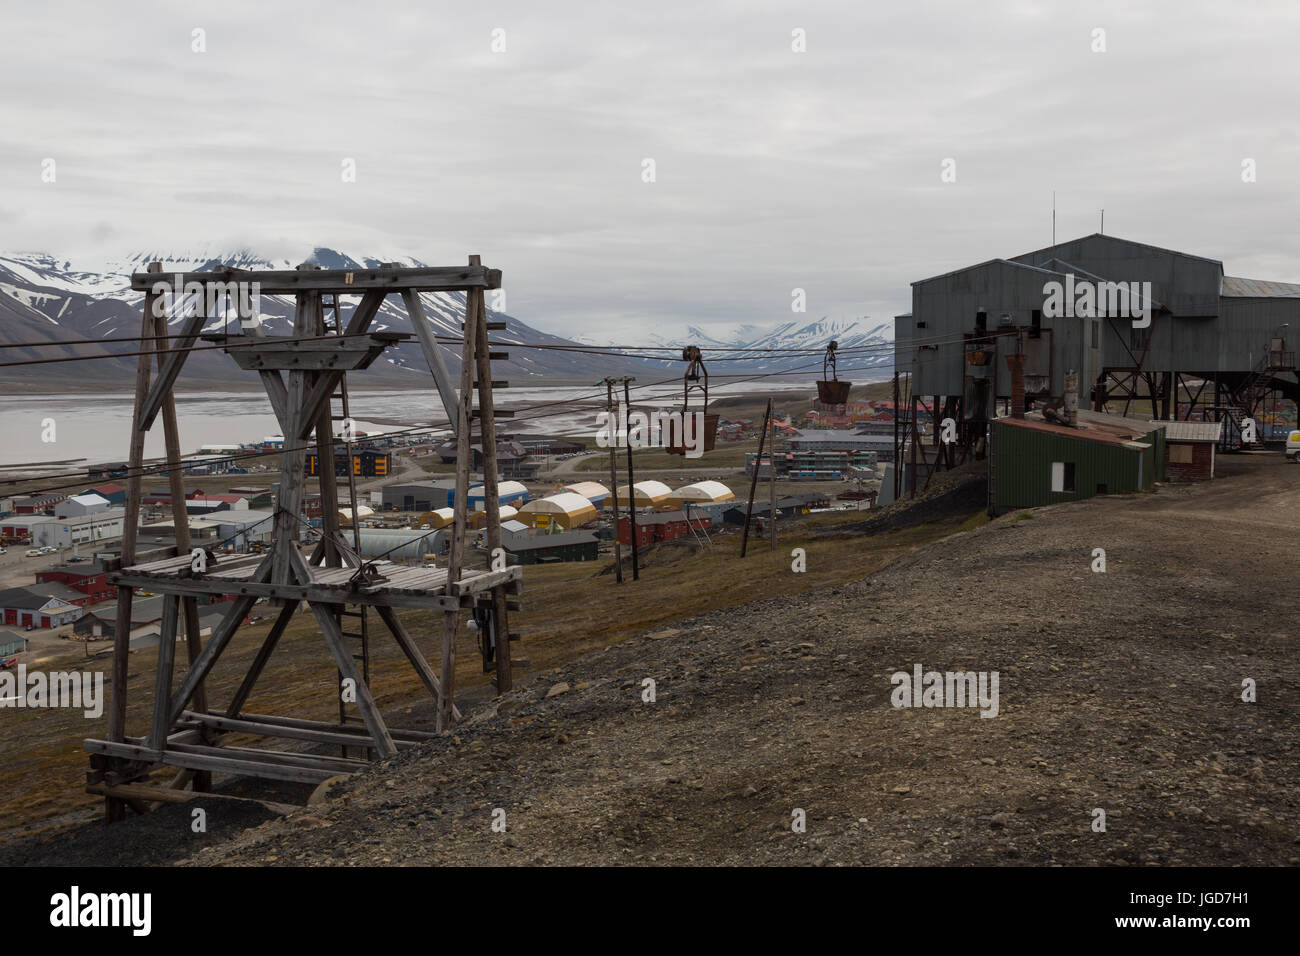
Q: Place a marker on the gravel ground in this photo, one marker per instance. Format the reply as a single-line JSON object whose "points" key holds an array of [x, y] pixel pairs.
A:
{"points": [[1119, 691]]}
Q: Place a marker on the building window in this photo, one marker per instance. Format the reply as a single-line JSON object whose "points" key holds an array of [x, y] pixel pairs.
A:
{"points": [[981, 321], [1180, 454], [1096, 334], [1036, 324], [1063, 476]]}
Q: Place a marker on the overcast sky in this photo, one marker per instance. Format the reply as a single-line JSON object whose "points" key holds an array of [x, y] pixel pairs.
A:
{"points": [[774, 169]]}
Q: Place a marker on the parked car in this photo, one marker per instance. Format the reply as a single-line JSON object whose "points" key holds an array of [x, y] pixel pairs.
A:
{"points": [[1293, 446], [35, 552]]}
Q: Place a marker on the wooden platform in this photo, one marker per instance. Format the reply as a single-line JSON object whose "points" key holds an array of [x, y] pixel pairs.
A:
{"points": [[397, 585]]}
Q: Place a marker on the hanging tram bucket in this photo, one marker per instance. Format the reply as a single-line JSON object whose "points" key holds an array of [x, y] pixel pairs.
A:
{"points": [[830, 390], [696, 430], [833, 392]]}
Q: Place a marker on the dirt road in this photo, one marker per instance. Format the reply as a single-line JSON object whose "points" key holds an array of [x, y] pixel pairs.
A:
{"points": [[1119, 691]]}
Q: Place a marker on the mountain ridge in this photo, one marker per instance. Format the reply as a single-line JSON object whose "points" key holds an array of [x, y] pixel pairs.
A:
{"points": [[45, 299]]}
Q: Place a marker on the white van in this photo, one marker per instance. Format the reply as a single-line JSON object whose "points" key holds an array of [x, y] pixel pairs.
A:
{"points": [[1293, 446]]}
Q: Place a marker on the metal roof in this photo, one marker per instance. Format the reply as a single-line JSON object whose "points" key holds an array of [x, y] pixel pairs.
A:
{"points": [[988, 262], [89, 498], [23, 598], [1092, 433], [1127, 242], [542, 542], [1119, 424], [1237, 287], [1192, 431]]}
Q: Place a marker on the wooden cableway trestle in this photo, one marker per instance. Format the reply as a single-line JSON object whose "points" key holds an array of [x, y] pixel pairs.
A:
{"points": [[302, 374]]}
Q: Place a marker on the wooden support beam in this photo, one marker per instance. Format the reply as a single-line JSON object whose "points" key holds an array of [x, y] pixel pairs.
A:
{"points": [[115, 810], [375, 596], [338, 281], [433, 357], [397, 733], [176, 356], [259, 662], [464, 455], [277, 394], [166, 664], [374, 721], [160, 795], [221, 636], [213, 759], [176, 483], [491, 502], [244, 725], [412, 652]]}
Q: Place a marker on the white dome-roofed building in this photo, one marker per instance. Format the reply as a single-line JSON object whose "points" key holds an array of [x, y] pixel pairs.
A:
{"points": [[593, 491], [478, 519], [702, 492], [566, 509], [437, 518], [646, 494], [508, 493], [363, 512]]}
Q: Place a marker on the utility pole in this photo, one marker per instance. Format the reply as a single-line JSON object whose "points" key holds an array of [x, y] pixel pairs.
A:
{"points": [[631, 481], [771, 470], [613, 475], [753, 481]]}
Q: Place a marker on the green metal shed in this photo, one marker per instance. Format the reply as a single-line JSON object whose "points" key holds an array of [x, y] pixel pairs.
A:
{"points": [[1034, 463]]}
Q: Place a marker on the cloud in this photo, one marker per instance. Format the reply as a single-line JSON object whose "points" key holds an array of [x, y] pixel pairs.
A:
{"points": [[775, 169]]}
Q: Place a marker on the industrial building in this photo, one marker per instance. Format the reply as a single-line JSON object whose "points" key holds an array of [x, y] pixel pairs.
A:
{"points": [[593, 491], [364, 463], [79, 505], [1034, 462], [658, 526], [420, 495], [838, 439], [113, 494], [1167, 331], [543, 444], [508, 493], [42, 504], [29, 607], [241, 530], [87, 578], [396, 544], [86, 529], [564, 509], [431, 494], [699, 493], [551, 548]]}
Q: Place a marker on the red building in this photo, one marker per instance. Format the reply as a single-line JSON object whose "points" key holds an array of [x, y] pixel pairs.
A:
{"points": [[164, 496], [42, 504], [1189, 449], [659, 526], [90, 580]]}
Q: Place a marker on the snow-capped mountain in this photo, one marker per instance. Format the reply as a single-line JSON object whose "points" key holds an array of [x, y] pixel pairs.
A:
{"points": [[45, 299], [791, 346]]}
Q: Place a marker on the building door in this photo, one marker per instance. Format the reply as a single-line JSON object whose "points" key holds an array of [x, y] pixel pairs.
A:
{"points": [[45, 621]]}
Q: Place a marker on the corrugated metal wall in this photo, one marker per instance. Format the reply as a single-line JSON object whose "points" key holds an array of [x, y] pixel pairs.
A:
{"points": [[1022, 466]]}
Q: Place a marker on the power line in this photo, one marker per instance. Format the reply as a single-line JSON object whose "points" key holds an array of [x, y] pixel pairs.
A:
{"points": [[164, 466]]}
